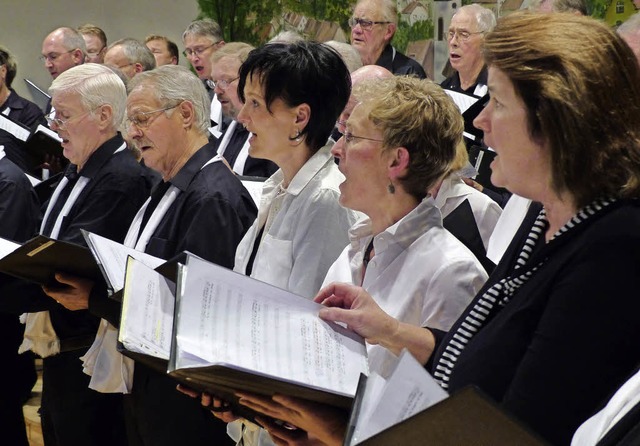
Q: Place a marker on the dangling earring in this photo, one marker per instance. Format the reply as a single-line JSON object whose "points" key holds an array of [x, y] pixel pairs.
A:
{"points": [[391, 188], [297, 137]]}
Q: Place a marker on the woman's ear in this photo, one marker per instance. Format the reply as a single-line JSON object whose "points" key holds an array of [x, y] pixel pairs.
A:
{"points": [[398, 162], [303, 114]]}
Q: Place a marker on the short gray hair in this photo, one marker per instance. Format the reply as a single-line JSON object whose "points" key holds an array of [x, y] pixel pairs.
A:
{"points": [[349, 54], [236, 50], [388, 9], [287, 36], [206, 28], [173, 84], [136, 52], [485, 18], [96, 85]]}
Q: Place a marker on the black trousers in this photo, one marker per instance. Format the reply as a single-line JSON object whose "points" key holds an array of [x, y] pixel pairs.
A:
{"points": [[71, 413], [158, 415]]}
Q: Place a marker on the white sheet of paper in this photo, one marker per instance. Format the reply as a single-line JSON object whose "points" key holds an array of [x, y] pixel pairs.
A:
{"points": [[7, 247], [408, 390], [16, 130], [230, 319], [147, 311], [113, 258], [47, 131]]}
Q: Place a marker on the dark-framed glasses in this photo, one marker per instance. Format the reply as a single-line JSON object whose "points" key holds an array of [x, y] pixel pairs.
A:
{"points": [[365, 24], [188, 52]]}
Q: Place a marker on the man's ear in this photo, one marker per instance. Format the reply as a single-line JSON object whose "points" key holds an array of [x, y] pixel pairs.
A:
{"points": [[391, 30], [187, 112], [105, 116]]}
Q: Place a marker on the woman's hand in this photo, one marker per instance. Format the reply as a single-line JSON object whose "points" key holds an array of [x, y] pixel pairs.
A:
{"points": [[321, 424], [74, 295], [353, 306]]}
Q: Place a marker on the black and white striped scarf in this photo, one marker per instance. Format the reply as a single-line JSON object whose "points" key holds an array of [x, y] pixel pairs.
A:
{"points": [[499, 295]]}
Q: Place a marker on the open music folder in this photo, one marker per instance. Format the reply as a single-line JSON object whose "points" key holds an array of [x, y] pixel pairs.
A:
{"points": [[231, 332], [29, 148], [38, 259], [411, 409]]}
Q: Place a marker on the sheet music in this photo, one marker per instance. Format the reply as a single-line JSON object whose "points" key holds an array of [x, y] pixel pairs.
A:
{"points": [[7, 247], [47, 131], [408, 390], [16, 130], [113, 258], [227, 318], [147, 311]]}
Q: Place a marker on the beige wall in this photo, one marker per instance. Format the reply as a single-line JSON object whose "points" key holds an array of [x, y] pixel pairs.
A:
{"points": [[25, 23]]}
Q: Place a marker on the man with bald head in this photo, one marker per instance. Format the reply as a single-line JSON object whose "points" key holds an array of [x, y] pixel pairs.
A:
{"points": [[363, 73], [62, 49]]}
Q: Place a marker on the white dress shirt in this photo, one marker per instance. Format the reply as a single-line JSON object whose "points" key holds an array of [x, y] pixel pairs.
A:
{"points": [[420, 273], [486, 212], [596, 427], [306, 227]]}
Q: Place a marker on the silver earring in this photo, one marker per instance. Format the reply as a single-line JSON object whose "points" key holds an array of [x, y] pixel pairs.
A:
{"points": [[297, 137]]}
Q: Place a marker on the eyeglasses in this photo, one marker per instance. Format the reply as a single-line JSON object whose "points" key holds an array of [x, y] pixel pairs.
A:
{"points": [[51, 57], [350, 137], [143, 119], [365, 24], [94, 53], [62, 123], [222, 84], [463, 36], [188, 52]]}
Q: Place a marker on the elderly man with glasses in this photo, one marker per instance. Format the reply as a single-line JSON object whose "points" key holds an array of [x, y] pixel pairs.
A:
{"points": [[465, 35], [100, 191], [201, 39], [373, 25], [201, 207]]}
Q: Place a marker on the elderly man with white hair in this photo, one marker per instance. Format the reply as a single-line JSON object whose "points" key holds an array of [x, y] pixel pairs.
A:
{"points": [[201, 207], [373, 24], [101, 191]]}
